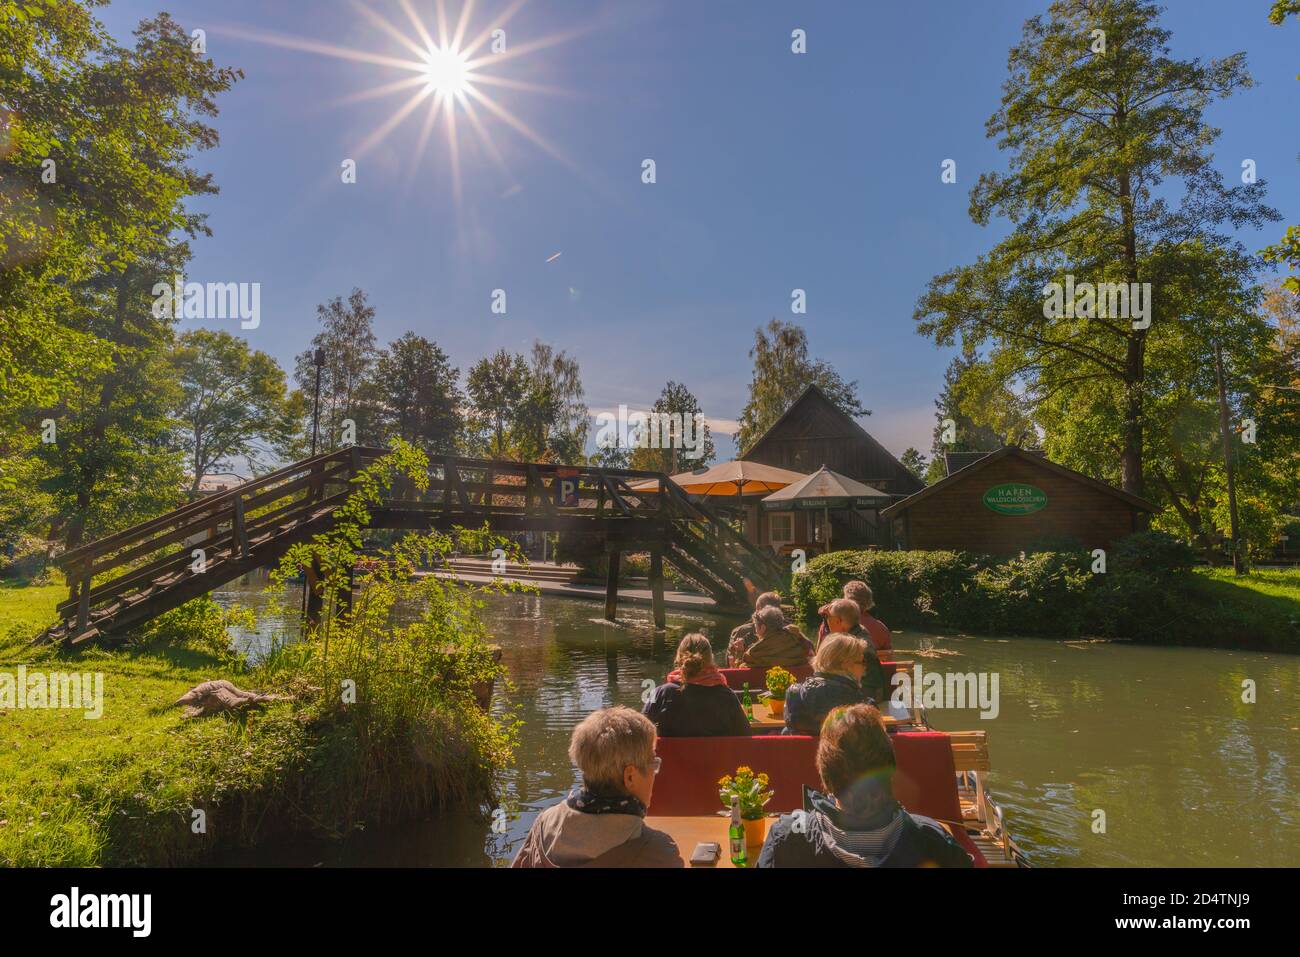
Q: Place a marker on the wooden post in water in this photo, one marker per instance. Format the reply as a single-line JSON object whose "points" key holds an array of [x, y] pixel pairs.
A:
{"points": [[611, 585], [657, 586]]}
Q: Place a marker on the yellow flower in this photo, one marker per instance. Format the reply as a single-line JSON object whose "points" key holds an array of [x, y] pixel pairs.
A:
{"points": [[725, 781], [743, 771]]}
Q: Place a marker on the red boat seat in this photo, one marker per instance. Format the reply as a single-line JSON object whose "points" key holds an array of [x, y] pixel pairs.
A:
{"points": [[687, 782], [925, 781]]}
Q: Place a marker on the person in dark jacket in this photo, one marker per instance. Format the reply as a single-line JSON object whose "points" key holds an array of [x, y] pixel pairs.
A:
{"points": [[602, 823], [859, 823], [836, 681], [696, 702]]}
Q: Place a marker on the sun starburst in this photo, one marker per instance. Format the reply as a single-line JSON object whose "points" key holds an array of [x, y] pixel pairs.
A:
{"points": [[443, 72]]}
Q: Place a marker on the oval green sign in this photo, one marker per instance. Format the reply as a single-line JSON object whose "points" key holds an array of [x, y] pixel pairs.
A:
{"points": [[1015, 498]]}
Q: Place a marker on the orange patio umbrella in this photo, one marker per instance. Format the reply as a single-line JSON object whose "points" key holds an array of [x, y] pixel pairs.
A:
{"points": [[735, 478]]}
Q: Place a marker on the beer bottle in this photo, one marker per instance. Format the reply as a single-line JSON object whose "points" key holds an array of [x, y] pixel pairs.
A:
{"points": [[736, 833], [748, 703]]}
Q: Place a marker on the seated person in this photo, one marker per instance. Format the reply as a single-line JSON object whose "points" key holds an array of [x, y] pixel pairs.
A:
{"points": [[696, 702], [842, 619], [777, 643], [859, 823], [742, 636], [859, 592], [836, 681], [600, 824]]}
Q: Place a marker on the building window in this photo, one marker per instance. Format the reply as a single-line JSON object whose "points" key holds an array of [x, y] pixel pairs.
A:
{"points": [[781, 528]]}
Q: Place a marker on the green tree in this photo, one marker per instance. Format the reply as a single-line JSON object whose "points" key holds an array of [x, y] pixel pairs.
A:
{"points": [[123, 177], [414, 388], [234, 403], [496, 386], [914, 461], [1111, 180], [551, 420], [676, 399], [782, 370], [347, 342]]}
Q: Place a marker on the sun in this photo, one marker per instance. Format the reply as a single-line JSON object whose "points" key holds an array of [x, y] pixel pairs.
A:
{"points": [[446, 72]]}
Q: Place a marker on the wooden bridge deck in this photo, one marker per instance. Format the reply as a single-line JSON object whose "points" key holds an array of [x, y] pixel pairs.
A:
{"points": [[121, 581]]}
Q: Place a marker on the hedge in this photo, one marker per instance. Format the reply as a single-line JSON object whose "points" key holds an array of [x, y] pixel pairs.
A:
{"points": [[1146, 592]]}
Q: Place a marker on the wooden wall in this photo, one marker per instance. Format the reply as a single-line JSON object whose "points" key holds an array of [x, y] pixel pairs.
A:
{"points": [[956, 517]]}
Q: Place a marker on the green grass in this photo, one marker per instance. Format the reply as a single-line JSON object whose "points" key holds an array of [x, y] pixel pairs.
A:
{"points": [[119, 789], [1260, 609]]}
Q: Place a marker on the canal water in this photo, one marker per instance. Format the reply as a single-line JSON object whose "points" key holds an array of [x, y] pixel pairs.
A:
{"points": [[1103, 754]]}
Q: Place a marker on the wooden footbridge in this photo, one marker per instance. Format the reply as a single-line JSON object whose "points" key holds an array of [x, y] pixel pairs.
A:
{"points": [[125, 579]]}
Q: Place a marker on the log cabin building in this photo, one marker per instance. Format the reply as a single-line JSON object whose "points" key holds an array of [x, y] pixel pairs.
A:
{"points": [[814, 432], [1014, 500]]}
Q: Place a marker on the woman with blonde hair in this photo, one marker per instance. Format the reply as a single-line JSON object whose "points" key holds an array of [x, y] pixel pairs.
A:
{"points": [[841, 661], [696, 702]]}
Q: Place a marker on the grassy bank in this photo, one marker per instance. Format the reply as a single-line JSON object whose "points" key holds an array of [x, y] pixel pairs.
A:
{"points": [[378, 721]]}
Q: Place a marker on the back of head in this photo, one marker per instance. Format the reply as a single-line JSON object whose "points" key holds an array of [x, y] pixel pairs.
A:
{"points": [[837, 653], [846, 609], [859, 593], [769, 599], [855, 757], [605, 742], [769, 618], [694, 655]]}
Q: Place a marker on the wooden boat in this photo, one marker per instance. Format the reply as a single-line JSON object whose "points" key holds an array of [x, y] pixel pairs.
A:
{"points": [[981, 819]]}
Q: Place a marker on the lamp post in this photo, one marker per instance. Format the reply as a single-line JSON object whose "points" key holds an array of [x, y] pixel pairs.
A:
{"points": [[319, 359]]}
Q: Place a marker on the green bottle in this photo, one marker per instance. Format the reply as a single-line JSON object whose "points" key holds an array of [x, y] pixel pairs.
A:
{"points": [[748, 703], [736, 833]]}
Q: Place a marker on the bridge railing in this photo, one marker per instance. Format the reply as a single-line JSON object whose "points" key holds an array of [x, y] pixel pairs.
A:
{"points": [[225, 522]]}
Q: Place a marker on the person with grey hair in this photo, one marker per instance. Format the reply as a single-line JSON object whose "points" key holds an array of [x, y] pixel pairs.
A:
{"points": [[743, 635], [778, 643], [602, 822]]}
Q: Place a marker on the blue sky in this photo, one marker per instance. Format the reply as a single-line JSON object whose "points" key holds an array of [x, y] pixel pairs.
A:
{"points": [[775, 171]]}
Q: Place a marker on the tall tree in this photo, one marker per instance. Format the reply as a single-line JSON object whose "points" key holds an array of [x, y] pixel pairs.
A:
{"points": [[496, 386], [1111, 180], [414, 388], [782, 370], [677, 400], [551, 422], [347, 341], [143, 109], [233, 403]]}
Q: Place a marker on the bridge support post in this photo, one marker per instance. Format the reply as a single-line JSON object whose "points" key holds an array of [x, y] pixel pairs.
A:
{"points": [[315, 600], [611, 585], [657, 587]]}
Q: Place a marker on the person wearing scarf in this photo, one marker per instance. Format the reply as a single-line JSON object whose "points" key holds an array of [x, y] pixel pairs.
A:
{"points": [[695, 702], [602, 821]]}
